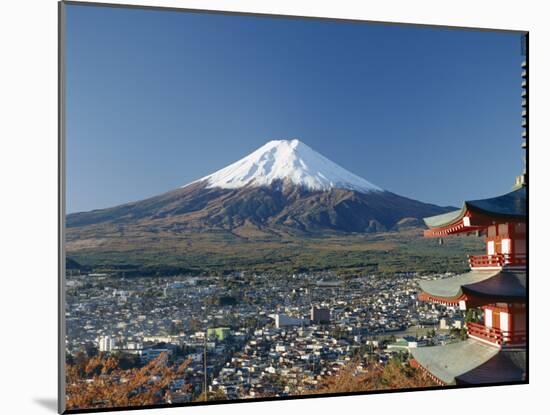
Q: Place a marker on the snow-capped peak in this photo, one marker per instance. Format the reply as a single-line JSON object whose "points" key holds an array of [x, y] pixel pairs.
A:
{"points": [[289, 161]]}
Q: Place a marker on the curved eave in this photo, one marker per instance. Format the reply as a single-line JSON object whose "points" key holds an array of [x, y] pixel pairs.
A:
{"points": [[482, 212], [447, 301], [452, 360], [476, 288], [445, 219], [506, 366], [471, 362], [451, 230], [505, 285], [510, 205], [451, 288], [454, 222]]}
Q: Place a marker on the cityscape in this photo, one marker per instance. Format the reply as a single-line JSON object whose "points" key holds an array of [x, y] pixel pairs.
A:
{"points": [[257, 335]]}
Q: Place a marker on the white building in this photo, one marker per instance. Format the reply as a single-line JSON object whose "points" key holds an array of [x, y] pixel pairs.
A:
{"points": [[106, 344], [282, 320], [446, 323]]}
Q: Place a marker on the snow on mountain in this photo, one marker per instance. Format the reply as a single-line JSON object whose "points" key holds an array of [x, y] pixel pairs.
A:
{"points": [[288, 161]]}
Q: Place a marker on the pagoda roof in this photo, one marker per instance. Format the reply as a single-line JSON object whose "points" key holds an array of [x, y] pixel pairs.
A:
{"points": [[503, 285], [471, 362], [512, 205], [506, 366], [444, 219]]}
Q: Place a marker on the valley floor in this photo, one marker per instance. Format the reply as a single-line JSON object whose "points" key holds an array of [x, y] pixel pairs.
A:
{"points": [[225, 252]]}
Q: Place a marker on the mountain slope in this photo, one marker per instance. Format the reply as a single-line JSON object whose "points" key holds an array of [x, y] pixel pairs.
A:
{"points": [[197, 208], [284, 186]]}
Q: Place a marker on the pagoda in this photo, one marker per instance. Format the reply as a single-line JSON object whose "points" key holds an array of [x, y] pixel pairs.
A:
{"points": [[495, 350]]}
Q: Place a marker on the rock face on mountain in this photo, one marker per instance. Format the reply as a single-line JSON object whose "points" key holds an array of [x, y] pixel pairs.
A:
{"points": [[282, 186]]}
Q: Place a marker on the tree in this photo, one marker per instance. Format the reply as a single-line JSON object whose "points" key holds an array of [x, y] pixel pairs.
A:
{"points": [[472, 316], [100, 382], [217, 395], [394, 375]]}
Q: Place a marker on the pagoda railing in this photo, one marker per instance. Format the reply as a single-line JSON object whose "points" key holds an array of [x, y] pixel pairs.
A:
{"points": [[496, 336], [497, 260]]}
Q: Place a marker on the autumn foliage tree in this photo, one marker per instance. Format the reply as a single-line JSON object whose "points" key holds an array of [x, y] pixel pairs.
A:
{"points": [[100, 382], [217, 395], [393, 375]]}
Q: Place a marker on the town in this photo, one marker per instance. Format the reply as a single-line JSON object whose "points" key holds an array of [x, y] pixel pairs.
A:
{"points": [[257, 334]]}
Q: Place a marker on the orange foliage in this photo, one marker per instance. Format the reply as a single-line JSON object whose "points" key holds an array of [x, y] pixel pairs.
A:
{"points": [[100, 383], [394, 375]]}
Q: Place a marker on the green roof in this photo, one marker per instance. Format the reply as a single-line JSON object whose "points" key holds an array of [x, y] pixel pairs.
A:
{"points": [[444, 219], [504, 284], [452, 287], [452, 360], [471, 362], [506, 366]]}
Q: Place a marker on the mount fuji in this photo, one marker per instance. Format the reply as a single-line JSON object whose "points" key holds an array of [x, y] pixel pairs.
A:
{"points": [[283, 186], [289, 161]]}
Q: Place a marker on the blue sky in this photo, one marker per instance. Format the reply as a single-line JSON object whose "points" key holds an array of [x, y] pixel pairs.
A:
{"points": [[156, 99]]}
